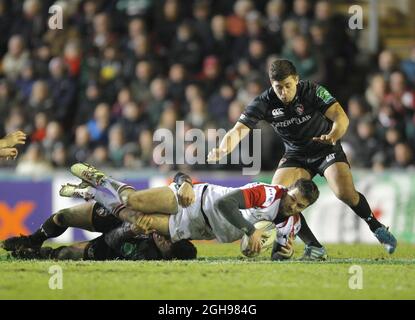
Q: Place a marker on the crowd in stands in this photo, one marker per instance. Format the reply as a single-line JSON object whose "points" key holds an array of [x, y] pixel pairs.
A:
{"points": [[97, 89]]}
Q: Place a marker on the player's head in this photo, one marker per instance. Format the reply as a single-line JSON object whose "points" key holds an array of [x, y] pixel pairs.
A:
{"points": [[300, 195], [284, 79], [181, 250]]}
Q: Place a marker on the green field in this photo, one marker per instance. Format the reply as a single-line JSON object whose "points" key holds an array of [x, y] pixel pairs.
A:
{"points": [[219, 273]]}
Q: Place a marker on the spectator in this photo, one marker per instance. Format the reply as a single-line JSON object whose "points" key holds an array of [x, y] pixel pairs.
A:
{"points": [[404, 157], [40, 100], [376, 91], [80, 150], [98, 126], [408, 66], [302, 15], [158, 101], [133, 121], [387, 63], [186, 48], [141, 84], [16, 57], [177, 82], [309, 64], [275, 17], [219, 103], [62, 92], [116, 144], [220, 40], [33, 163]]}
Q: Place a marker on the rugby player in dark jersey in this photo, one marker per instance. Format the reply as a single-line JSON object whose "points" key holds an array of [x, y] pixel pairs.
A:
{"points": [[118, 241], [311, 123]]}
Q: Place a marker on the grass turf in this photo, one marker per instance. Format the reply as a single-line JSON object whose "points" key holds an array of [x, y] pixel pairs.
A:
{"points": [[219, 273]]}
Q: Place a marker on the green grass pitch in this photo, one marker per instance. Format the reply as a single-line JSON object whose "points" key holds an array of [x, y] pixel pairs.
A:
{"points": [[220, 273]]}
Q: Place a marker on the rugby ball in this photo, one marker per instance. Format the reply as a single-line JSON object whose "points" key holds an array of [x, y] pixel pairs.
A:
{"points": [[268, 238]]}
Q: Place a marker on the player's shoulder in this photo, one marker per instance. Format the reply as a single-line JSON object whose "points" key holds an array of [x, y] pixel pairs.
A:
{"points": [[265, 97], [276, 187], [307, 87], [312, 89]]}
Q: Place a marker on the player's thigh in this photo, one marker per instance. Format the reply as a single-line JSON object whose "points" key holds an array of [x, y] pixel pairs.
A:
{"points": [[287, 176], [340, 180], [162, 200], [79, 216]]}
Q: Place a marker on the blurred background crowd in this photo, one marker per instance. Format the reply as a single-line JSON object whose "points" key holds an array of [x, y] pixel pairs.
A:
{"points": [[96, 90]]}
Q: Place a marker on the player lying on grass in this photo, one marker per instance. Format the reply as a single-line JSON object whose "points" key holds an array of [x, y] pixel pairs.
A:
{"points": [[215, 212], [118, 241]]}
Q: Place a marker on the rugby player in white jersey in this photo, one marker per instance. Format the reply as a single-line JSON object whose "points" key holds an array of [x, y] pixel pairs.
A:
{"points": [[206, 211]]}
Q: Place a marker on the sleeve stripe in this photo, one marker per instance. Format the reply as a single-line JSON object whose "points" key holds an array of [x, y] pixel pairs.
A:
{"points": [[254, 196]]}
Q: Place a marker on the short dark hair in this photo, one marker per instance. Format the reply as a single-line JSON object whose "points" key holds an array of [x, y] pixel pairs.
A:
{"points": [[307, 188], [281, 69], [183, 250]]}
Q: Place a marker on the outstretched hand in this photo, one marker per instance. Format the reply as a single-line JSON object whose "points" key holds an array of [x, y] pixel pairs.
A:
{"points": [[216, 154], [15, 138]]}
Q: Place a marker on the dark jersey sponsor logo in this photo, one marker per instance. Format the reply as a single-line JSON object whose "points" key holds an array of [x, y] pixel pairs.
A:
{"points": [[291, 121], [277, 112]]}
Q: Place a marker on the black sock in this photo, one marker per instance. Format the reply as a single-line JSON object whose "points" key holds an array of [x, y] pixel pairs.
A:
{"points": [[307, 235], [362, 209], [49, 229]]}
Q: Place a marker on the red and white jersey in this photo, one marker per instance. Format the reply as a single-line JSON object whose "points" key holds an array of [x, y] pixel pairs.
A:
{"points": [[263, 201]]}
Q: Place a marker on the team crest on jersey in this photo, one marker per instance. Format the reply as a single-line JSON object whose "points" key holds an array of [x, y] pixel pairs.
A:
{"points": [[277, 112], [270, 194], [299, 109]]}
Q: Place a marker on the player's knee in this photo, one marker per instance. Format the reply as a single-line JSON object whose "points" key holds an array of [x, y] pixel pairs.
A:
{"points": [[345, 196], [61, 217]]}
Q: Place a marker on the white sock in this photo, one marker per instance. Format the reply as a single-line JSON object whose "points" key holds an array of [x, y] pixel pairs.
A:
{"points": [[115, 186], [108, 200]]}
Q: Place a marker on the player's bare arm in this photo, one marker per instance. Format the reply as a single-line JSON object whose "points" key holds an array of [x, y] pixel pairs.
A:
{"points": [[340, 124], [229, 142], [229, 206]]}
